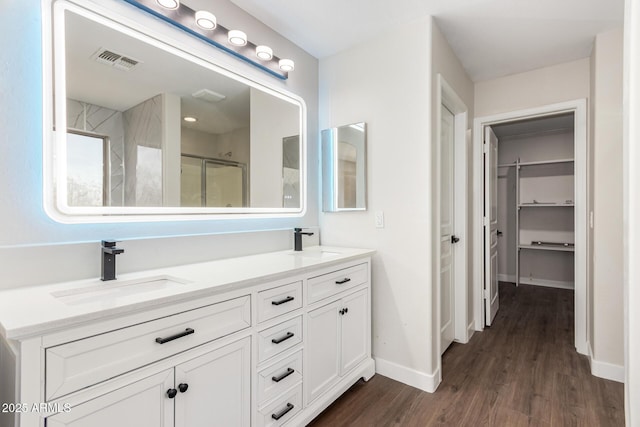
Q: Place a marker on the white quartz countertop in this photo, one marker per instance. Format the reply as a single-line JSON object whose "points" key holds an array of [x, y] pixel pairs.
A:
{"points": [[36, 310]]}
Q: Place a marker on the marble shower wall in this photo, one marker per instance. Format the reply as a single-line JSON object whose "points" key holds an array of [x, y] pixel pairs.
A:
{"points": [[103, 121], [143, 148]]}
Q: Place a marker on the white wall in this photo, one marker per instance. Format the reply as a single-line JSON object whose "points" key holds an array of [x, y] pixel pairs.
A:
{"points": [[355, 85], [608, 320], [272, 119], [550, 85], [397, 105], [35, 249], [631, 216]]}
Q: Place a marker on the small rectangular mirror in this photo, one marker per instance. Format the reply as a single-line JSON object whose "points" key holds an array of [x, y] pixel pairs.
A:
{"points": [[344, 174]]}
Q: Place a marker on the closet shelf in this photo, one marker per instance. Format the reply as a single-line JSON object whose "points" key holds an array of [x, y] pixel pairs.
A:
{"points": [[548, 248]]}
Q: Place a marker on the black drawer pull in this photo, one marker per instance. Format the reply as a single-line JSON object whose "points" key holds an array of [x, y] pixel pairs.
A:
{"points": [[171, 393], [284, 338], [186, 332], [282, 301], [343, 281], [282, 413], [283, 376]]}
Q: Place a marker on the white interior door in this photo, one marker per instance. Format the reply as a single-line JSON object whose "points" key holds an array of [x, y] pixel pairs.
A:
{"points": [[491, 225], [447, 238]]}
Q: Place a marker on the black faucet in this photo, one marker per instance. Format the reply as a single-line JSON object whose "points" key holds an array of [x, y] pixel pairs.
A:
{"points": [[109, 252], [297, 238]]}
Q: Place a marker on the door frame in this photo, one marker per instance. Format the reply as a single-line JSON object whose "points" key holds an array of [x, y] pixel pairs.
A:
{"points": [[446, 95], [579, 108]]}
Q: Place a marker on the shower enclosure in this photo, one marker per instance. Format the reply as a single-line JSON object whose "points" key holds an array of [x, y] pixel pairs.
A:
{"points": [[207, 182]]}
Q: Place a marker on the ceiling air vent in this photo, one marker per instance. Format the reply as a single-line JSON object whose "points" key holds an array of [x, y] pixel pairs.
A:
{"points": [[115, 60]]}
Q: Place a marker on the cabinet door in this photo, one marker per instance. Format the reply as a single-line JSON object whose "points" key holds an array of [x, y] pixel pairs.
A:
{"points": [[218, 389], [322, 349], [141, 404], [354, 339]]}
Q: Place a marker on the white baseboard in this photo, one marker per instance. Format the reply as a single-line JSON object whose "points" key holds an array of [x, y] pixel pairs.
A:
{"points": [[547, 283], [507, 278], [470, 330], [605, 370], [417, 379]]}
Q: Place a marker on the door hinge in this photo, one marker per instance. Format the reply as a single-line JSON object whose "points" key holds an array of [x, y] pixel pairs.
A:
{"points": [[486, 293], [485, 221], [485, 147]]}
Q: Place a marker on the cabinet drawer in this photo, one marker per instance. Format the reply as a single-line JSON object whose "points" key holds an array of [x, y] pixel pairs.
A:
{"points": [[279, 338], [279, 377], [280, 300], [75, 365], [281, 410], [337, 281]]}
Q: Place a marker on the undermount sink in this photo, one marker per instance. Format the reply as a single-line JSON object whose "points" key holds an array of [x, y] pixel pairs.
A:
{"points": [[115, 290], [314, 254]]}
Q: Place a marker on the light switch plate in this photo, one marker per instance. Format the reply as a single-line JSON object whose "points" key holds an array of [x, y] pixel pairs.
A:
{"points": [[379, 219]]}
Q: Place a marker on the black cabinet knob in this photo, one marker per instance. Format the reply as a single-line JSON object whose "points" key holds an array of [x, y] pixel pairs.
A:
{"points": [[183, 387], [171, 393]]}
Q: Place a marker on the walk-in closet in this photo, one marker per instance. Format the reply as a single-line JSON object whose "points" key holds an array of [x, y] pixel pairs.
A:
{"points": [[536, 212]]}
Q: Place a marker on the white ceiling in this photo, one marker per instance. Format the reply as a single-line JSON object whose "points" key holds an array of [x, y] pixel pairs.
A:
{"points": [[492, 38]]}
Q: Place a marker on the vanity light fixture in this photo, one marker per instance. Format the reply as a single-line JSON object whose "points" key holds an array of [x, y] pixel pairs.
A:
{"points": [[264, 52], [169, 4], [206, 20], [204, 25], [286, 65], [190, 119], [237, 37]]}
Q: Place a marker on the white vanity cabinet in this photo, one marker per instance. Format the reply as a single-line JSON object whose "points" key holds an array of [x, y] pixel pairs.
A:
{"points": [[275, 349], [338, 340], [212, 389]]}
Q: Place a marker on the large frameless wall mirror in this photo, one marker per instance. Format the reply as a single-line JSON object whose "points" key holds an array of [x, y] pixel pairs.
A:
{"points": [[344, 174], [144, 128]]}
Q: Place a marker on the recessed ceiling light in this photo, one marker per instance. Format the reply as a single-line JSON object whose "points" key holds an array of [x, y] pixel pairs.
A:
{"points": [[206, 20], [264, 52], [169, 4], [190, 119], [286, 65], [237, 37]]}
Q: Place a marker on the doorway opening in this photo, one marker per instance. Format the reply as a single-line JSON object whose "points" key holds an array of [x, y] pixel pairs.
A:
{"points": [[530, 206]]}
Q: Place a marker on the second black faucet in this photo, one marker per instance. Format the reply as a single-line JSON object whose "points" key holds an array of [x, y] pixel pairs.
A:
{"points": [[297, 238]]}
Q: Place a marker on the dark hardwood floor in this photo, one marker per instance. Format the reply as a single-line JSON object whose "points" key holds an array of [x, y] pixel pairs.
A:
{"points": [[522, 371]]}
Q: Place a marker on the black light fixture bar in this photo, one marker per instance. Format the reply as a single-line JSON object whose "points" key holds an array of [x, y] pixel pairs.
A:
{"points": [[183, 17]]}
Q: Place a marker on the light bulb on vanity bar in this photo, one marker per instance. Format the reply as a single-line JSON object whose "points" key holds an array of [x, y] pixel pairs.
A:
{"points": [[286, 65], [237, 37], [264, 52], [206, 20]]}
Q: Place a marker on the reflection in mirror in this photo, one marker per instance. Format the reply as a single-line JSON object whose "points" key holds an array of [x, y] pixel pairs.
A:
{"points": [[291, 171], [343, 168], [147, 127], [87, 177]]}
